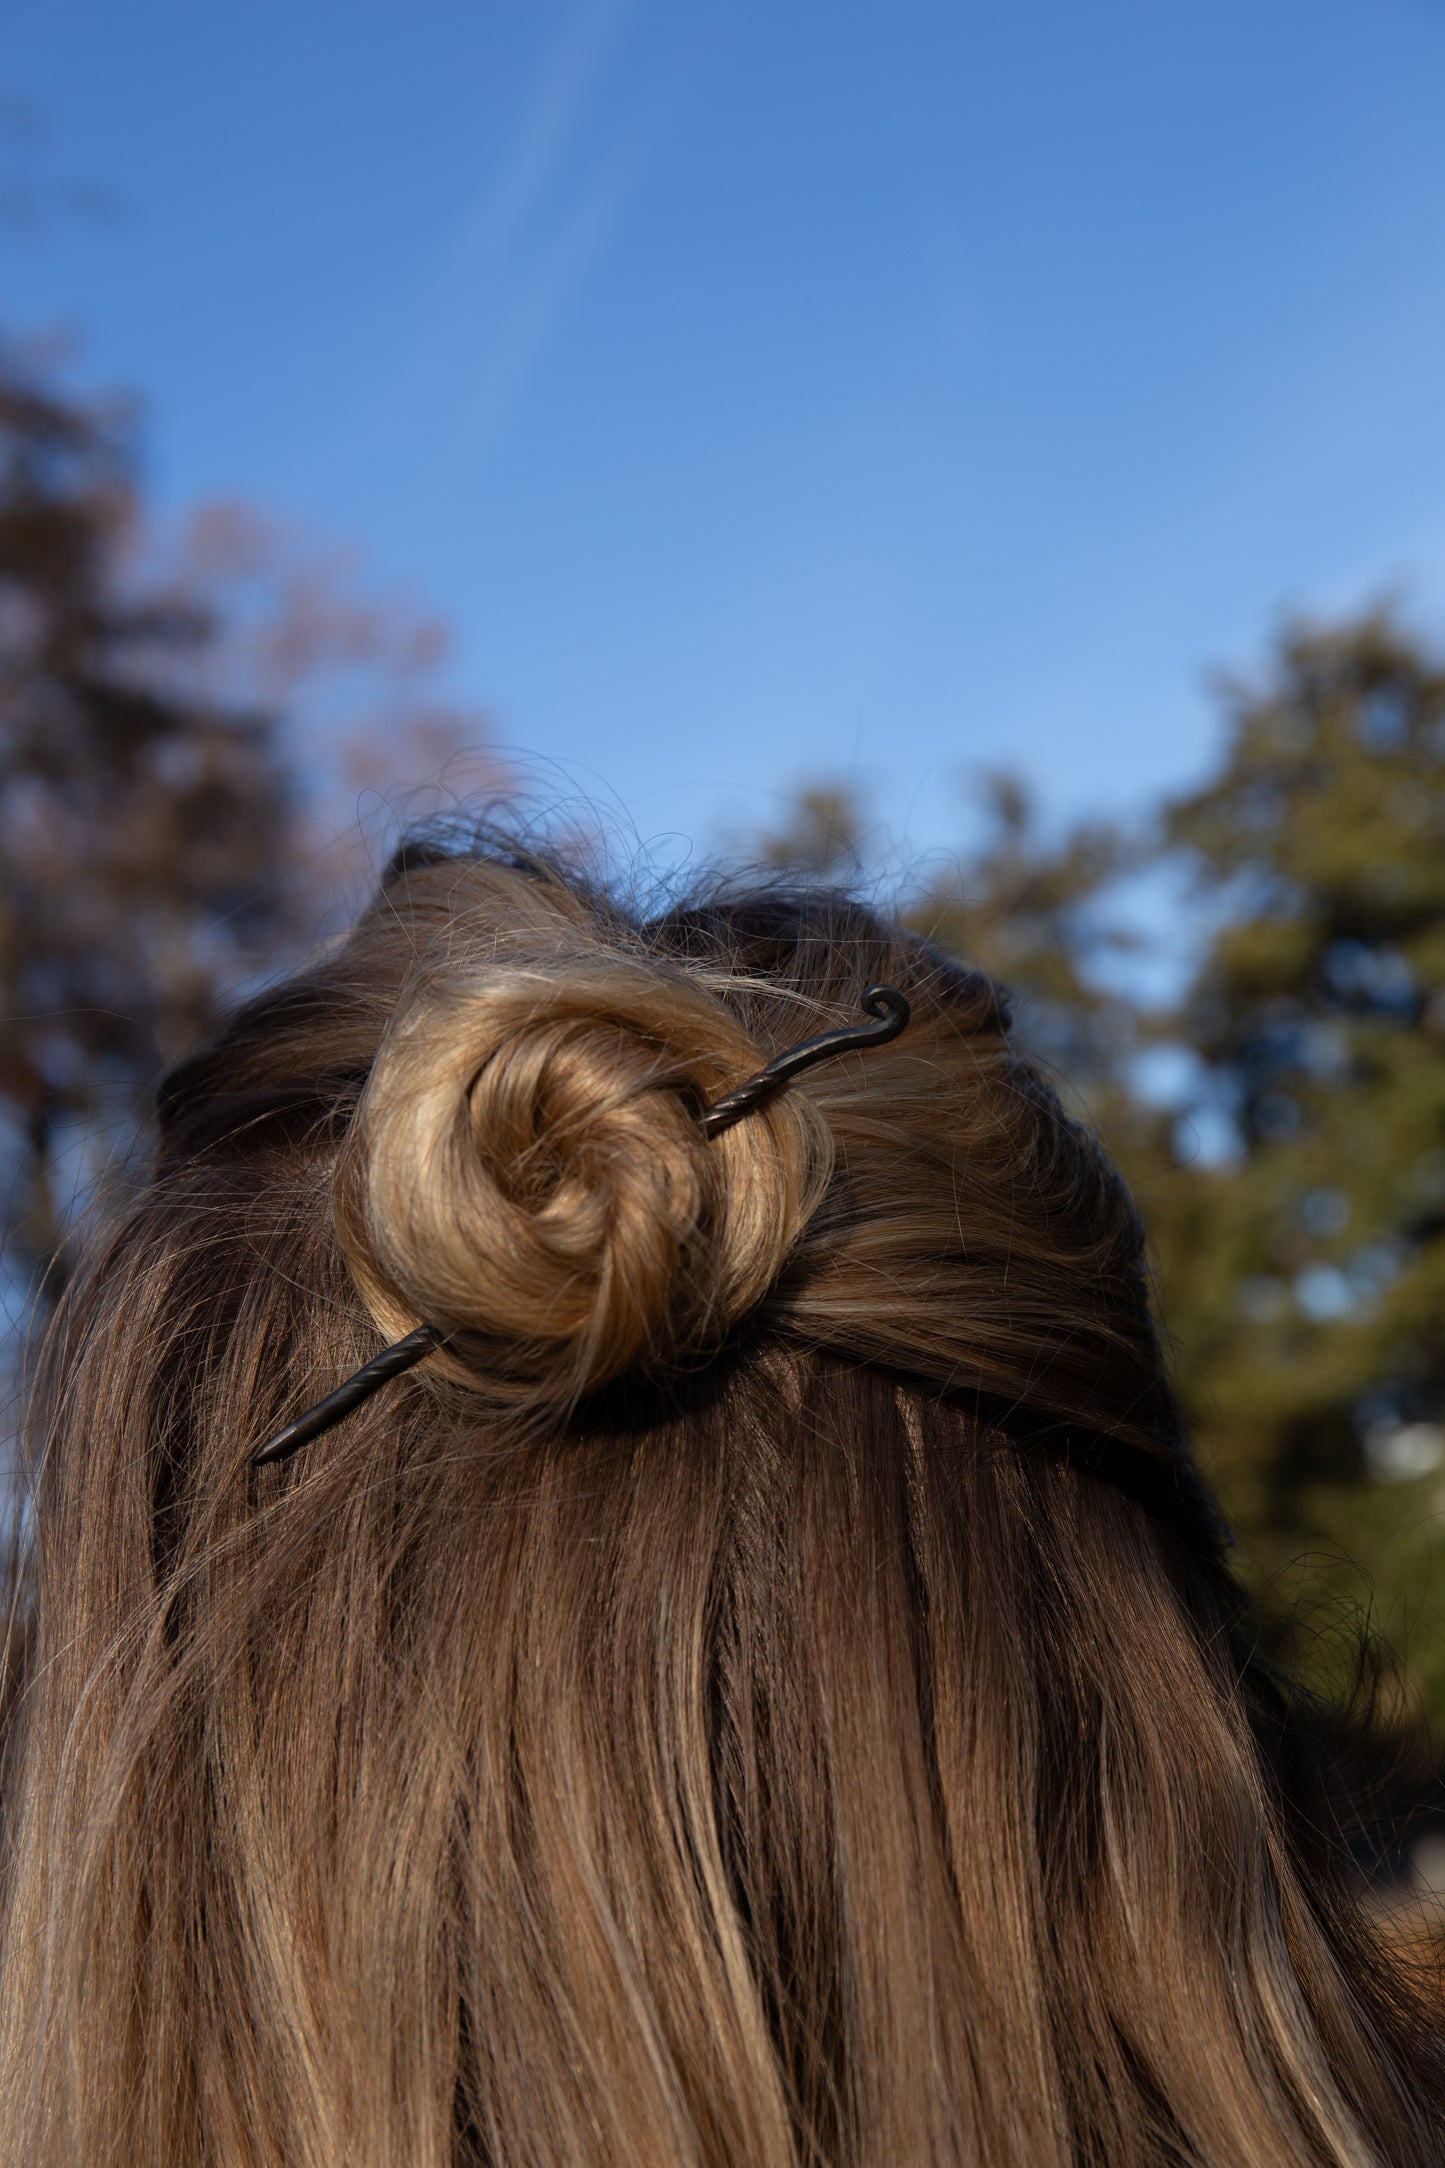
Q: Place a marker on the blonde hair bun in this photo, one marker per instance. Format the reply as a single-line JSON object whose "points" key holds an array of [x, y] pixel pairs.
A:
{"points": [[527, 1170]]}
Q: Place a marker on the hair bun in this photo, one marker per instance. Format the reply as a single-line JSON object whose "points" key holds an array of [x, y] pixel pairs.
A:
{"points": [[527, 1171]]}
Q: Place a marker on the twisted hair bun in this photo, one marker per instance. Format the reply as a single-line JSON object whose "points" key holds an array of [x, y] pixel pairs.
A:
{"points": [[528, 1172]]}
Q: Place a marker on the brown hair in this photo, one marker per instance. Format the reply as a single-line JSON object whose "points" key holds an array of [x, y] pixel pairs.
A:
{"points": [[769, 1692]]}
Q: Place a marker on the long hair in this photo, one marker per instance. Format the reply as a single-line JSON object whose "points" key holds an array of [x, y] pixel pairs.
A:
{"points": [[768, 1693]]}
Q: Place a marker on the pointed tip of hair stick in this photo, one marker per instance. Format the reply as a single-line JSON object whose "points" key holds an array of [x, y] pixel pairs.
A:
{"points": [[401, 1355]]}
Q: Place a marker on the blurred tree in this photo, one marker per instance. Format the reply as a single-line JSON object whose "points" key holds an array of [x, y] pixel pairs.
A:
{"points": [[143, 830], [1305, 1273], [180, 732], [297, 631], [1034, 910], [822, 835], [1302, 1258], [1027, 906]]}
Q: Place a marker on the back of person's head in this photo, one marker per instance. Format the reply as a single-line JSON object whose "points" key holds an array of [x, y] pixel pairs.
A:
{"points": [[767, 1690]]}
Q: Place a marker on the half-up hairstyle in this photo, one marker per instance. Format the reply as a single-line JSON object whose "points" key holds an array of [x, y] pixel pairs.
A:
{"points": [[768, 1692]]}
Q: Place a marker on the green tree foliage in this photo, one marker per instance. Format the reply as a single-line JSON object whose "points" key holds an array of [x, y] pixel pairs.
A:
{"points": [[1302, 1258], [1305, 1276], [1032, 909], [1025, 905]]}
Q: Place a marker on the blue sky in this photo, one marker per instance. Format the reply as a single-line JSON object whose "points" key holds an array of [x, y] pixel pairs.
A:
{"points": [[783, 393]]}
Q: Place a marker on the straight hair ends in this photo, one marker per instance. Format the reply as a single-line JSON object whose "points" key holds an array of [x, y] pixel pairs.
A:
{"points": [[685, 1729]]}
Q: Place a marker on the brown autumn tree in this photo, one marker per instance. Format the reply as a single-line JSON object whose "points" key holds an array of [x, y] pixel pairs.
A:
{"points": [[144, 829], [184, 731]]}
